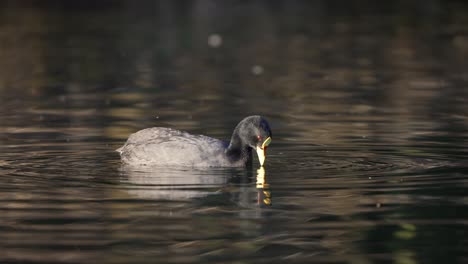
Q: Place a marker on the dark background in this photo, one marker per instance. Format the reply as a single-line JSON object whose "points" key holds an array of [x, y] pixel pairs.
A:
{"points": [[367, 101]]}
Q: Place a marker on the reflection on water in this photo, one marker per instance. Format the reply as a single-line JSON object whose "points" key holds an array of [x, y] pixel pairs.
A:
{"points": [[264, 192], [367, 103], [172, 183], [178, 183]]}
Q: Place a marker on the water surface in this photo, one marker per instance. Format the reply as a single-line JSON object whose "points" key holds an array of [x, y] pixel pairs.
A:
{"points": [[368, 106]]}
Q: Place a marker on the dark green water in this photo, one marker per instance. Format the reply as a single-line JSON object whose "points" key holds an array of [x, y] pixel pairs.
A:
{"points": [[368, 103]]}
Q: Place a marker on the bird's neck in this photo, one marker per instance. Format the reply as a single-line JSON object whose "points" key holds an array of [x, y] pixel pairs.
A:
{"points": [[237, 151]]}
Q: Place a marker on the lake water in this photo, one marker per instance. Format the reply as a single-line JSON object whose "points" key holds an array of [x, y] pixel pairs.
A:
{"points": [[368, 105]]}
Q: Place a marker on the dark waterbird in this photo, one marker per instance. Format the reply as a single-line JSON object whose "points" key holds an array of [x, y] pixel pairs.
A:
{"points": [[162, 146]]}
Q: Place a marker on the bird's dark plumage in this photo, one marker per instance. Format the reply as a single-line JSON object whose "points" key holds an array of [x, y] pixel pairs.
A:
{"points": [[165, 146]]}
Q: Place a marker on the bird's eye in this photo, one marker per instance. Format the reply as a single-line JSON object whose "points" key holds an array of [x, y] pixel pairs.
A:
{"points": [[259, 138]]}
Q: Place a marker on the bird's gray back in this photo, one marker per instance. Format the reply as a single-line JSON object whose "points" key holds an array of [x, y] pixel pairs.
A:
{"points": [[166, 146]]}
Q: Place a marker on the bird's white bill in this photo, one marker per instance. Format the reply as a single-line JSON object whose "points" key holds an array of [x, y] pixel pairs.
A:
{"points": [[261, 155], [266, 142]]}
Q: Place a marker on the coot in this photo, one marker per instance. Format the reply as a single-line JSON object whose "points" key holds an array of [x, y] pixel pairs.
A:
{"points": [[162, 146]]}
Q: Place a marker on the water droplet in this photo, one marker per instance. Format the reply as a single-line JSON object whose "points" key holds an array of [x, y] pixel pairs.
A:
{"points": [[257, 69], [215, 40]]}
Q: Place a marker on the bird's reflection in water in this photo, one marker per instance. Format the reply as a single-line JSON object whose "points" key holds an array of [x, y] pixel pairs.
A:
{"points": [[172, 184], [177, 184], [263, 189]]}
